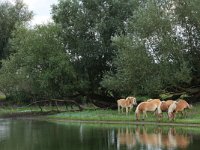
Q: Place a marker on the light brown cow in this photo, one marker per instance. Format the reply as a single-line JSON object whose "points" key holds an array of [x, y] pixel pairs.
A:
{"points": [[163, 107], [126, 103], [143, 107], [178, 106]]}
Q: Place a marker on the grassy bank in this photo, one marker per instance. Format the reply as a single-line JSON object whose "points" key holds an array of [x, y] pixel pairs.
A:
{"points": [[112, 115], [193, 116]]}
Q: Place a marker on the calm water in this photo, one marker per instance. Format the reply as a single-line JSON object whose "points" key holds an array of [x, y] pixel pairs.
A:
{"points": [[40, 135]]}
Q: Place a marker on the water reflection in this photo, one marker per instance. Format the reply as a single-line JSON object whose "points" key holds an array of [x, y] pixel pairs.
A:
{"points": [[38, 135], [126, 137], [153, 138], [4, 130]]}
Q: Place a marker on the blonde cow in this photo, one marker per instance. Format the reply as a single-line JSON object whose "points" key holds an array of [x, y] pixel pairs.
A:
{"points": [[178, 106], [148, 106], [126, 103], [164, 106]]}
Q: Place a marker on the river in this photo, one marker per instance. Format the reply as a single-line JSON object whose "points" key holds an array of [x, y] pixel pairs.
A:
{"points": [[26, 134]]}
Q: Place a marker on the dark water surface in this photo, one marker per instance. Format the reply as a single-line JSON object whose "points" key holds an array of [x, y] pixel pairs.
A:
{"points": [[42, 135]]}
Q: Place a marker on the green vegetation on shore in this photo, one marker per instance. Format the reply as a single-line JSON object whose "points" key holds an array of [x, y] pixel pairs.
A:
{"points": [[112, 115], [91, 114]]}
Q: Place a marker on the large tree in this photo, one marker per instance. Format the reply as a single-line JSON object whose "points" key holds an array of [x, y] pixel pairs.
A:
{"points": [[40, 66], [88, 28], [11, 15], [188, 15], [161, 50]]}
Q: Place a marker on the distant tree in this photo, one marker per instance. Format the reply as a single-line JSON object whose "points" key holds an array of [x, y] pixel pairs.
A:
{"points": [[11, 15], [40, 66]]}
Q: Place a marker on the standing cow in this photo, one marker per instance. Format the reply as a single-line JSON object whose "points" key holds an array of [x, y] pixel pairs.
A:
{"points": [[126, 103]]}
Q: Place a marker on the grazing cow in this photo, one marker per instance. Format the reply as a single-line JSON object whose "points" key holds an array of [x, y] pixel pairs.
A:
{"points": [[126, 103], [171, 109], [150, 105], [163, 107], [178, 106]]}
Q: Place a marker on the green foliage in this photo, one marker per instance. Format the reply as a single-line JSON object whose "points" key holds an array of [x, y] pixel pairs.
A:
{"points": [[111, 47], [40, 66], [165, 96], [151, 56], [88, 27], [136, 71], [11, 15], [2, 96], [188, 16]]}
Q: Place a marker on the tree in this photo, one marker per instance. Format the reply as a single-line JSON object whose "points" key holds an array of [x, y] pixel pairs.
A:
{"points": [[188, 15], [11, 15], [40, 66], [136, 72], [151, 57], [88, 27]]}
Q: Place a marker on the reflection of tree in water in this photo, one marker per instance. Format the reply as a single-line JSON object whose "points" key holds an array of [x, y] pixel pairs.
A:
{"points": [[34, 135], [4, 130], [154, 138]]}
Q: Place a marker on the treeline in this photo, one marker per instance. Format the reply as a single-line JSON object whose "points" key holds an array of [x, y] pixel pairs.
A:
{"points": [[102, 49]]}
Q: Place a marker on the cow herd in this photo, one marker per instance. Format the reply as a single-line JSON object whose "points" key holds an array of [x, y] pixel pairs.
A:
{"points": [[153, 105]]}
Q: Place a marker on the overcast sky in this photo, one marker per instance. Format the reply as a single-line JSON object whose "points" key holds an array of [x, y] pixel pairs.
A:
{"points": [[41, 10]]}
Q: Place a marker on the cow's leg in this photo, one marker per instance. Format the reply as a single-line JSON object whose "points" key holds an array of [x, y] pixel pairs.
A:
{"points": [[137, 115], [126, 110], [144, 115], [131, 108], [173, 116], [183, 113], [118, 109]]}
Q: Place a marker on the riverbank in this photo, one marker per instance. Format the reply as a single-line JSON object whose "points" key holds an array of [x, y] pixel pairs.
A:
{"points": [[127, 122], [99, 116], [192, 117]]}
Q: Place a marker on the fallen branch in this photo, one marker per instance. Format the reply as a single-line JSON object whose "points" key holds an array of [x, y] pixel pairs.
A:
{"points": [[55, 102]]}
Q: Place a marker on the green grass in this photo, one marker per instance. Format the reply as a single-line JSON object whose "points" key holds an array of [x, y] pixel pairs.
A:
{"points": [[91, 114], [192, 117], [99, 115]]}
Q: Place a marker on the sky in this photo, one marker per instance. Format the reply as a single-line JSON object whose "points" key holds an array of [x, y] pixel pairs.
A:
{"points": [[41, 10]]}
